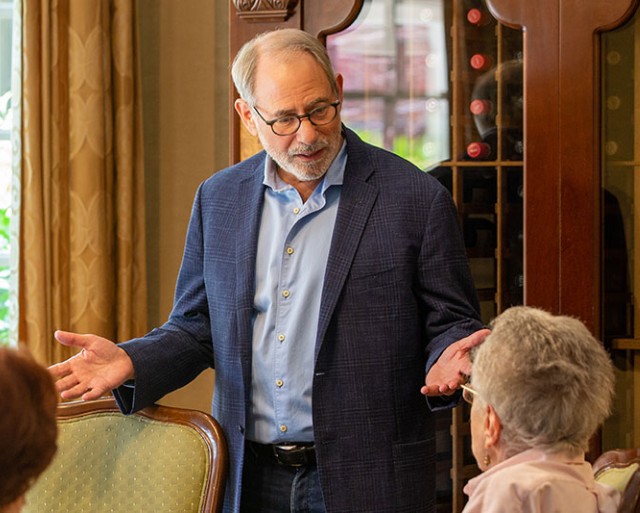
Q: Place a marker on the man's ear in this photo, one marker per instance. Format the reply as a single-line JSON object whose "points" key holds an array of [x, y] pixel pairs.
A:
{"points": [[339, 83], [246, 115], [492, 427]]}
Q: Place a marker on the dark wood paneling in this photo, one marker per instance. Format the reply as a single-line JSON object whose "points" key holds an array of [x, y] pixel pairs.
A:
{"points": [[562, 142], [579, 137]]}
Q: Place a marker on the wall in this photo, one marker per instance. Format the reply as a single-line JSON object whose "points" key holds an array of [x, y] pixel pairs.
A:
{"points": [[184, 56]]}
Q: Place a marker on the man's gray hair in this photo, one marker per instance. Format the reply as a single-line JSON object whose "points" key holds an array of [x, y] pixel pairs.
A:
{"points": [[285, 42], [549, 380]]}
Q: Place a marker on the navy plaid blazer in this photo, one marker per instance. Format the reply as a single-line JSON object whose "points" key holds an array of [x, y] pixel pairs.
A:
{"points": [[397, 292]]}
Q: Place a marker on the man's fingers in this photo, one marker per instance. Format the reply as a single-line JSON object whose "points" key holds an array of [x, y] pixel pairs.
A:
{"points": [[449, 388], [60, 370], [94, 393], [74, 392], [438, 390], [66, 383], [66, 338], [475, 339], [429, 390]]}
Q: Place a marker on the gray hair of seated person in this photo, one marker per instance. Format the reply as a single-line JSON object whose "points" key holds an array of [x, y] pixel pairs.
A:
{"points": [[549, 380], [284, 42]]}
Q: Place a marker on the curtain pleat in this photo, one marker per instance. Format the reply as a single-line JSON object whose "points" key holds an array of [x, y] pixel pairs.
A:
{"points": [[82, 250]]}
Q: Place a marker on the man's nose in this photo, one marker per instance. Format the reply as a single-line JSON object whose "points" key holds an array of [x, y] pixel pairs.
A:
{"points": [[307, 132]]}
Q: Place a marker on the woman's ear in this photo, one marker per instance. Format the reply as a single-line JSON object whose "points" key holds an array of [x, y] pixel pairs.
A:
{"points": [[246, 115], [492, 427]]}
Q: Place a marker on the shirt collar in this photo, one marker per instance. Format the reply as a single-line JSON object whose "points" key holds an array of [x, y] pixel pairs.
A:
{"points": [[578, 464], [333, 176]]}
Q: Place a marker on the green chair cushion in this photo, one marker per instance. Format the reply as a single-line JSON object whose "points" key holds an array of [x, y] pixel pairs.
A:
{"points": [[617, 477], [122, 464]]}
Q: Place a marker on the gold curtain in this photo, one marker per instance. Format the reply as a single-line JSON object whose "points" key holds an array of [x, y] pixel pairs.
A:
{"points": [[82, 249]]}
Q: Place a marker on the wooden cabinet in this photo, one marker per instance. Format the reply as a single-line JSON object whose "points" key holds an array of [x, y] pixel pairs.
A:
{"points": [[534, 210], [561, 180]]}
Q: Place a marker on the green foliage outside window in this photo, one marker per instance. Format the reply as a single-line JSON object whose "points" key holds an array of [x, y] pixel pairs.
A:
{"points": [[5, 216], [420, 150]]}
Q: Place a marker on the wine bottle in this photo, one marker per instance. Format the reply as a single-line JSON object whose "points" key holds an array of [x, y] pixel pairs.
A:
{"points": [[480, 62], [480, 106], [611, 148], [478, 17], [512, 144], [613, 57], [515, 188], [613, 102], [518, 282], [517, 150], [478, 150]]}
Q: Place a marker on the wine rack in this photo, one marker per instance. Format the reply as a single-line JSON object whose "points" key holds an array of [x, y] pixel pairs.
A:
{"points": [[486, 172], [487, 158]]}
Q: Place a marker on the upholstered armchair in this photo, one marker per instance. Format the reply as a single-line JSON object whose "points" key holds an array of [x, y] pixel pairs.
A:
{"points": [[161, 459], [620, 468]]}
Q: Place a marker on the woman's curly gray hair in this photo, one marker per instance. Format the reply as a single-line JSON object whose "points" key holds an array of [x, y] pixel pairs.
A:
{"points": [[549, 380]]}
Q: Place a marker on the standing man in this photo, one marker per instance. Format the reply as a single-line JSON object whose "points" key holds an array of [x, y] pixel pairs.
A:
{"points": [[326, 282]]}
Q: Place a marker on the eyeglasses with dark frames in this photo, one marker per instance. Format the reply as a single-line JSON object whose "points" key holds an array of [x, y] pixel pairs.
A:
{"points": [[320, 115]]}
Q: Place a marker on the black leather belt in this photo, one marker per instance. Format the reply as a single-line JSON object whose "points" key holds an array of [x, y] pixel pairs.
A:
{"points": [[289, 455]]}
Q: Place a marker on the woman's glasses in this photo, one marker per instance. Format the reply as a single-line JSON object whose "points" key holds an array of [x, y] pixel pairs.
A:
{"points": [[468, 393]]}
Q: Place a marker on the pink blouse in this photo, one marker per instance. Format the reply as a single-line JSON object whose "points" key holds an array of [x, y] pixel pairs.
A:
{"points": [[536, 482]]}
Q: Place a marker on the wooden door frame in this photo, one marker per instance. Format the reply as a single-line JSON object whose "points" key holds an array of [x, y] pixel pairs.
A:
{"points": [[562, 211]]}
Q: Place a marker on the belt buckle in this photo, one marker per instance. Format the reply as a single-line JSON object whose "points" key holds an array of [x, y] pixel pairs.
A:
{"points": [[279, 451]]}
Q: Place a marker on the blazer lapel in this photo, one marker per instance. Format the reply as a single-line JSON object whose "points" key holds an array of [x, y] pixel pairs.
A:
{"points": [[250, 199], [356, 201]]}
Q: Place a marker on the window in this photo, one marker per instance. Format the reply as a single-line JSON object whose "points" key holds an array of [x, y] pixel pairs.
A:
{"points": [[396, 89], [6, 12]]}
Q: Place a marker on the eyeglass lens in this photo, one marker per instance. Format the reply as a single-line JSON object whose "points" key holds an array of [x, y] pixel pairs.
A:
{"points": [[319, 116]]}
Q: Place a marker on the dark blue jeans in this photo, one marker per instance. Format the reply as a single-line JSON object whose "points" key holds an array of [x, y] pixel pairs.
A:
{"points": [[268, 487]]}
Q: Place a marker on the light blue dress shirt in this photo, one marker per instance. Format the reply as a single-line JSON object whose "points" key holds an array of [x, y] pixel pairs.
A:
{"points": [[293, 247]]}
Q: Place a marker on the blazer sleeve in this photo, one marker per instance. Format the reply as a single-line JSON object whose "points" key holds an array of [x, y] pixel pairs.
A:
{"points": [[172, 355], [445, 285]]}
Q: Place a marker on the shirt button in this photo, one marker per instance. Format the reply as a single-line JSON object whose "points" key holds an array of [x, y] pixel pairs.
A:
{"points": [[289, 251], [285, 293], [279, 383], [281, 337], [296, 210], [283, 428]]}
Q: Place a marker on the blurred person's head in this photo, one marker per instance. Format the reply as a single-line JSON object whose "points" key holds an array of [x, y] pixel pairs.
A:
{"points": [[511, 106], [281, 76], [28, 428], [541, 381]]}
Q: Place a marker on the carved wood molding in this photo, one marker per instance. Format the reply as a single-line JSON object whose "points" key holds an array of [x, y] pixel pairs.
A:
{"points": [[265, 10]]}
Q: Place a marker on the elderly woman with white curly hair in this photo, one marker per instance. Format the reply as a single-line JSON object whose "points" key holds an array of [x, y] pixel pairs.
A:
{"points": [[541, 386]]}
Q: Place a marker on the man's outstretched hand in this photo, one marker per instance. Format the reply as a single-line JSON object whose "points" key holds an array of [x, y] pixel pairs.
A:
{"points": [[453, 367], [100, 367]]}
